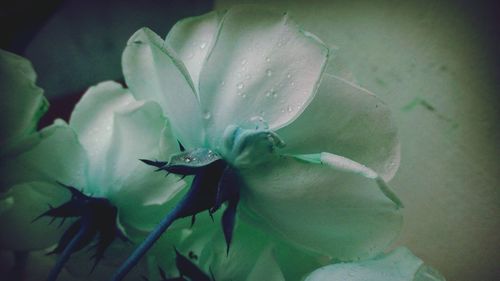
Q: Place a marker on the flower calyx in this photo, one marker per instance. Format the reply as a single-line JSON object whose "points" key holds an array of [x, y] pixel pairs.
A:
{"points": [[215, 182], [96, 220]]}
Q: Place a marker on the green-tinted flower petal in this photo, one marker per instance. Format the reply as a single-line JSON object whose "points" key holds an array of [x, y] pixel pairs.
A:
{"points": [[146, 196], [206, 241], [117, 131], [153, 72], [92, 119], [22, 103], [349, 121], [262, 66], [330, 206], [266, 268], [192, 39], [136, 133], [56, 155], [399, 265], [18, 231]]}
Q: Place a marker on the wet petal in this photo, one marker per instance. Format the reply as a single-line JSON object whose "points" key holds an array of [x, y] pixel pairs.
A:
{"points": [[192, 39], [329, 206], [92, 119], [349, 121], [56, 155], [262, 65], [399, 265], [23, 102], [153, 72], [19, 232]]}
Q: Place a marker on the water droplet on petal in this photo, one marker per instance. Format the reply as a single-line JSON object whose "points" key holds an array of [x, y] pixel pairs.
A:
{"points": [[207, 115], [289, 108], [203, 45], [269, 93], [243, 95], [268, 59], [248, 76], [240, 86], [222, 83], [269, 72], [275, 95], [289, 76], [243, 61]]}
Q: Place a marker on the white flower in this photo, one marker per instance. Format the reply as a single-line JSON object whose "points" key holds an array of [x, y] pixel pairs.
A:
{"points": [[98, 154], [242, 84]]}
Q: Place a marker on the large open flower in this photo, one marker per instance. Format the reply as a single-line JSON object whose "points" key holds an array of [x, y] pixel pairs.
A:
{"points": [[246, 96]]}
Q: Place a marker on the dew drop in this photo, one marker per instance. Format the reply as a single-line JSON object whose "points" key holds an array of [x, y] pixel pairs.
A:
{"points": [[269, 93], [243, 61], [292, 84], [269, 72], [203, 45], [244, 95], [248, 76], [187, 159], [222, 83], [289, 108], [289, 76], [268, 59], [240, 86], [275, 95], [282, 110], [207, 115]]}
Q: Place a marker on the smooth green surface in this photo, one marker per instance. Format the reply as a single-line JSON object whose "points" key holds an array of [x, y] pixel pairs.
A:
{"points": [[399, 265], [434, 65], [22, 101]]}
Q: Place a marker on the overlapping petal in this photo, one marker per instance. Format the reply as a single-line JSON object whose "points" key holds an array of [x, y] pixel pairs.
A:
{"points": [[346, 120], [153, 72], [399, 265], [117, 131], [56, 155], [93, 118], [22, 103], [262, 66], [329, 206], [193, 39]]}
